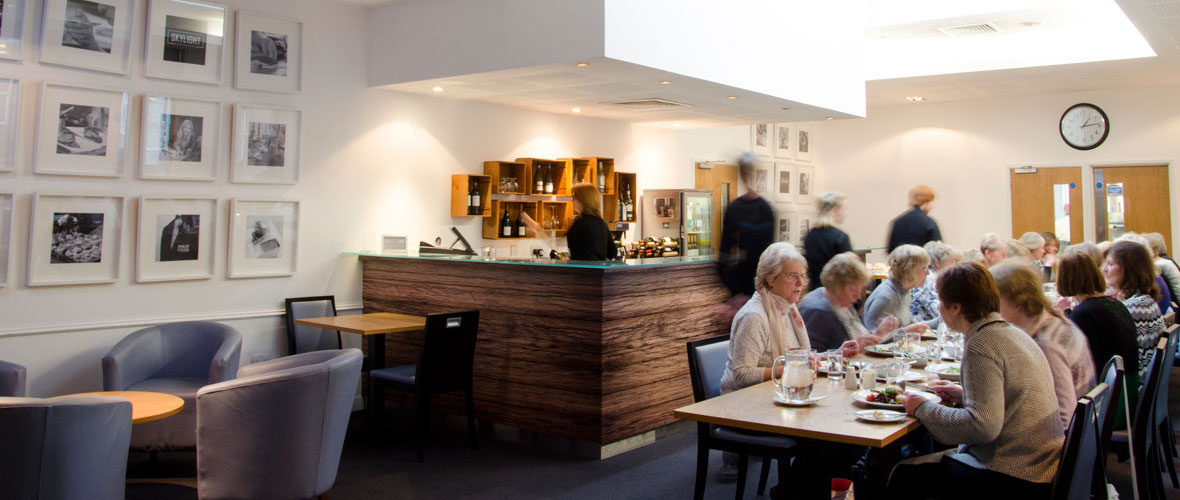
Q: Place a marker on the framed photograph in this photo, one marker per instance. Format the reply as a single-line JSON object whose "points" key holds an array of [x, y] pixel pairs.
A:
{"points": [[782, 140], [175, 239], [179, 139], [268, 54], [784, 217], [265, 145], [805, 182], [263, 238], [9, 121], [81, 131], [185, 40], [763, 171], [803, 222], [12, 17], [760, 138], [784, 182], [803, 143], [5, 235], [88, 34], [74, 239], [665, 208]]}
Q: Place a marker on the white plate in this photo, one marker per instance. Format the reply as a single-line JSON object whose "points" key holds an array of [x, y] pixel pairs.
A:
{"points": [[943, 371], [779, 399], [880, 416], [909, 377], [881, 350], [859, 396]]}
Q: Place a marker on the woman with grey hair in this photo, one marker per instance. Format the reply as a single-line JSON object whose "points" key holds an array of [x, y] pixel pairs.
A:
{"points": [[908, 266], [1035, 244], [825, 240], [1168, 269], [830, 312], [993, 248], [924, 303]]}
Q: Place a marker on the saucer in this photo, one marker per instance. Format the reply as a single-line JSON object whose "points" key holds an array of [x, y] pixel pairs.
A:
{"points": [[779, 399]]}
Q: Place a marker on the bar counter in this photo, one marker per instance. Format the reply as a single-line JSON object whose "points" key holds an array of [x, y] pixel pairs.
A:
{"points": [[593, 351]]}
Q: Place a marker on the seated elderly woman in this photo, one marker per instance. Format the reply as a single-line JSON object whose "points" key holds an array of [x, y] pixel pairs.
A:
{"points": [[908, 265], [993, 248], [830, 313], [1129, 271], [1168, 269], [924, 304], [1035, 244], [1164, 301], [1052, 247], [1007, 428], [1023, 304], [1017, 250]]}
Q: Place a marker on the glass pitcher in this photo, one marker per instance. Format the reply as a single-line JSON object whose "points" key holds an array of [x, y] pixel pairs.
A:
{"points": [[798, 375]]}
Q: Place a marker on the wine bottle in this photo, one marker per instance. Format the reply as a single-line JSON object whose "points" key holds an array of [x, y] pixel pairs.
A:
{"points": [[474, 208], [469, 200], [505, 225], [521, 229], [548, 181], [539, 186], [628, 205], [601, 177]]}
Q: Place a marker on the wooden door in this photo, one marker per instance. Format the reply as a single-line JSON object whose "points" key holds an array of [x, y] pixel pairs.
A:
{"points": [[1137, 193], [1039, 202], [722, 180]]}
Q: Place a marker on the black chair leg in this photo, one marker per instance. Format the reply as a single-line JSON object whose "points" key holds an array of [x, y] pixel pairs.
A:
{"points": [[762, 476], [423, 425], [743, 464], [784, 469], [698, 491], [1165, 454], [470, 403]]}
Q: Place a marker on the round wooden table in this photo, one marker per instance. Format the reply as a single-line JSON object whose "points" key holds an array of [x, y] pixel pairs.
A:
{"points": [[145, 406]]}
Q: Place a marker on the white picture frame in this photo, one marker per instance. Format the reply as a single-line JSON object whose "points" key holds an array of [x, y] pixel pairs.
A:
{"points": [[763, 175], [268, 53], [805, 185], [804, 142], [88, 34], [783, 143], [265, 145], [784, 222], [179, 139], [761, 138], [255, 250], [12, 22], [95, 124], [186, 41], [175, 239], [804, 221], [74, 239], [5, 235], [9, 121], [784, 183]]}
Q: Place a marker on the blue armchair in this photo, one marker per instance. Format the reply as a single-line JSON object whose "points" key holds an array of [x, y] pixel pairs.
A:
{"points": [[12, 380], [69, 447], [278, 430], [173, 358]]}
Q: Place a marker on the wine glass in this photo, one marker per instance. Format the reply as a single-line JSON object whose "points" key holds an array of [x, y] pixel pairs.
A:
{"points": [[834, 365]]}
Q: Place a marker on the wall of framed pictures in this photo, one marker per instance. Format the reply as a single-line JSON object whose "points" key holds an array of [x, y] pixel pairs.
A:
{"points": [[785, 151]]}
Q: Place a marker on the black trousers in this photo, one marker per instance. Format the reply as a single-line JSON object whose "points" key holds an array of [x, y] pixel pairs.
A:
{"points": [[816, 464], [950, 478]]}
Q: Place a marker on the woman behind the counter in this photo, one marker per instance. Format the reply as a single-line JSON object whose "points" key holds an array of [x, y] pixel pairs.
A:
{"points": [[589, 237]]}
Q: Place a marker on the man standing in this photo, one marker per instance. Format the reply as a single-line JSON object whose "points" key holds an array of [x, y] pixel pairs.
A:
{"points": [[746, 230], [914, 227]]}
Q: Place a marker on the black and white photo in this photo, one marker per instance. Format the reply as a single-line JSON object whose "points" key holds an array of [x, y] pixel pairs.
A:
{"points": [[265, 237], [267, 144], [9, 121], [88, 26], [762, 138], [179, 237], [82, 129], [761, 134], [784, 182], [185, 40], [804, 142], [181, 138], [5, 235], [804, 183], [665, 208], [268, 53], [77, 238], [761, 182], [784, 228], [12, 14], [782, 136], [804, 137]]}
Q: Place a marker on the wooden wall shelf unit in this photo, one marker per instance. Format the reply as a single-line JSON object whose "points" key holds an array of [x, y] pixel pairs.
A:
{"points": [[558, 215], [497, 170], [491, 225], [460, 184], [624, 182], [586, 170], [559, 170]]}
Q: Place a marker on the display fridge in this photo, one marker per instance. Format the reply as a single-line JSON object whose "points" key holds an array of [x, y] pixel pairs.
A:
{"points": [[684, 215]]}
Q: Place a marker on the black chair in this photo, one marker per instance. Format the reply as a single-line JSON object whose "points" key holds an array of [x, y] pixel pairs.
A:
{"points": [[1114, 376], [445, 364], [1145, 445], [1162, 420], [1082, 472], [706, 364], [302, 338]]}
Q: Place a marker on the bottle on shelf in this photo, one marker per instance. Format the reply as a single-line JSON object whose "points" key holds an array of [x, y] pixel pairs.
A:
{"points": [[473, 201], [628, 205], [505, 225], [539, 186], [521, 229], [601, 176], [622, 212], [548, 180]]}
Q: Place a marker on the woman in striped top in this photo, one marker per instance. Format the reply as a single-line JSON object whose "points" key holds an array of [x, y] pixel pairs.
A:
{"points": [[1129, 271]]}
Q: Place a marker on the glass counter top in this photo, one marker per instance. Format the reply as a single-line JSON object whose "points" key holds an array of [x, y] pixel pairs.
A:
{"points": [[583, 264]]}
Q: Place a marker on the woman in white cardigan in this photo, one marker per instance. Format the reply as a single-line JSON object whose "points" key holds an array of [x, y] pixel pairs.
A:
{"points": [[769, 323]]}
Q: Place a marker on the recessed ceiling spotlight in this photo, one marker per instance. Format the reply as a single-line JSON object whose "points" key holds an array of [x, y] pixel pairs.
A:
{"points": [[915, 98], [786, 108], [677, 125], [582, 65], [830, 118], [666, 82], [1031, 24], [576, 110], [437, 89], [732, 97]]}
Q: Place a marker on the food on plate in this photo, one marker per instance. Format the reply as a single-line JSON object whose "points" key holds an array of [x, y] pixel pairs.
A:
{"points": [[888, 395]]}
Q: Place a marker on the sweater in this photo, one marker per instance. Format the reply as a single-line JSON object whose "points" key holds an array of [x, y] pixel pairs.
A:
{"points": [[1149, 323], [589, 239], [824, 325], [1110, 330], [890, 298], [1008, 422], [913, 227], [1070, 363], [819, 246], [750, 346]]}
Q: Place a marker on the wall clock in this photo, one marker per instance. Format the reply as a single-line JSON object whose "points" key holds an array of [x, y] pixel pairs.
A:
{"points": [[1084, 126]]}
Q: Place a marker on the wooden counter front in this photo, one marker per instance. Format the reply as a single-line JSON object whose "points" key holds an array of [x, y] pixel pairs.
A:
{"points": [[592, 354]]}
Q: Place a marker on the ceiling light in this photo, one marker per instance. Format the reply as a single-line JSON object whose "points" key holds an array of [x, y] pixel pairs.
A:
{"points": [[576, 110], [437, 89], [677, 125], [915, 98], [665, 82], [830, 118], [582, 64], [732, 97]]}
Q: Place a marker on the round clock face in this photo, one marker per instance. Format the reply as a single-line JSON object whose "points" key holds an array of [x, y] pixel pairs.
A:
{"points": [[1084, 126]]}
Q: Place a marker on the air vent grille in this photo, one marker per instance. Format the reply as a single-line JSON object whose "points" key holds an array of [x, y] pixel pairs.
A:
{"points": [[649, 104], [970, 29]]}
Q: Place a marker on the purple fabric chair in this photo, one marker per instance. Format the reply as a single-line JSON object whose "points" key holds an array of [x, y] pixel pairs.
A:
{"points": [[173, 358], [276, 431], [12, 380], [64, 448]]}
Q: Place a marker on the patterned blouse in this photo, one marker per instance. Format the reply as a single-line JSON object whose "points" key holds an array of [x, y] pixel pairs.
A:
{"points": [[1149, 323], [924, 299]]}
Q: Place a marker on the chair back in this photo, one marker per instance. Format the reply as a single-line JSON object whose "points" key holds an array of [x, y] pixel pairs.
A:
{"points": [[706, 365], [1081, 473], [1161, 393], [66, 447], [12, 380], [278, 431], [1142, 435], [303, 338], [1113, 376], [183, 349], [447, 356]]}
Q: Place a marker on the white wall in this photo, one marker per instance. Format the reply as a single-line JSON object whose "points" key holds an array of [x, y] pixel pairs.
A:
{"points": [[374, 162]]}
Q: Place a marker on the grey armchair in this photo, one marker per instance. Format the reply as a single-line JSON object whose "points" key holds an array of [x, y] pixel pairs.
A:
{"points": [[12, 380], [278, 430], [173, 358], [64, 448]]}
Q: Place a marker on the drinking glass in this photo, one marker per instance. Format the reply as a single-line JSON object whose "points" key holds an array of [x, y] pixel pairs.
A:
{"points": [[893, 371], [834, 365], [911, 342]]}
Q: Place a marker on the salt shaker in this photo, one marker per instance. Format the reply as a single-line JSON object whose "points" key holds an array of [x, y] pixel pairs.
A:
{"points": [[850, 379]]}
